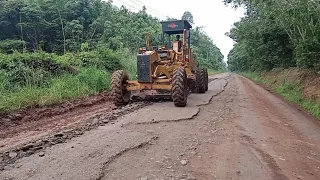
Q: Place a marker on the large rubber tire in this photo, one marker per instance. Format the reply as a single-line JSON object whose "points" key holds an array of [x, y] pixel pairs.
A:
{"points": [[200, 80], [179, 88], [206, 79], [119, 94]]}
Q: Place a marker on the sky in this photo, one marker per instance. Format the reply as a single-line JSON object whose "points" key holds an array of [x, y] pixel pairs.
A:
{"points": [[216, 18]]}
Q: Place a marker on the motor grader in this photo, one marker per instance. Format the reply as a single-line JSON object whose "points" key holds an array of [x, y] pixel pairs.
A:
{"points": [[168, 68]]}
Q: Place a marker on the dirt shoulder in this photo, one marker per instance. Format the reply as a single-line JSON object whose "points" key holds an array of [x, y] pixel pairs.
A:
{"points": [[29, 137], [11, 121], [309, 82]]}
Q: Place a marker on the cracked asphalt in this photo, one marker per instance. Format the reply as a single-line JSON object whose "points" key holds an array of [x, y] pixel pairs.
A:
{"points": [[236, 130]]}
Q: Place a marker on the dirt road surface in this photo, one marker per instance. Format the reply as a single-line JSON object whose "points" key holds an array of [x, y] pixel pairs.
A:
{"points": [[237, 130]]}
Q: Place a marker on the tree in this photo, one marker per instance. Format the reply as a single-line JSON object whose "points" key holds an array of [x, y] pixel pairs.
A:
{"points": [[144, 9], [277, 34], [68, 26], [187, 16]]}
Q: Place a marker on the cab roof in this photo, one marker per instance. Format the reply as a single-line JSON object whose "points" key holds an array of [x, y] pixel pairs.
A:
{"points": [[175, 26]]}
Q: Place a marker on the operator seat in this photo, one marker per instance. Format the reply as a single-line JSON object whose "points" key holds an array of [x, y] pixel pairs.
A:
{"points": [[175, 46]]}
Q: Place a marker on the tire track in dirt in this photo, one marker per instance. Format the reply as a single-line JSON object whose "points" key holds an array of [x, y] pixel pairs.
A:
{"points": [[282, 126], [117, 131], [106, 164], [175, 122], [114, 157], [86, 122], [233, 137]]}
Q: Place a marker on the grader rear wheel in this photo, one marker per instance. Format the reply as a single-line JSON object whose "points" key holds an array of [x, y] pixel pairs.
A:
{"points": [[119, 94], [179, 87], [200, 80], [206, 79]]}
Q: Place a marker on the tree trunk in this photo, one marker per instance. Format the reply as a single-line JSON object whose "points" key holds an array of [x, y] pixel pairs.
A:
{"points": [[64, 37]]}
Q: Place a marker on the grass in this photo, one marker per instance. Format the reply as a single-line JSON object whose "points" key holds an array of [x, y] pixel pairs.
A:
{"points": [[89, 81], [213, 72], [130, 65], [291, 92], [255, 77]]}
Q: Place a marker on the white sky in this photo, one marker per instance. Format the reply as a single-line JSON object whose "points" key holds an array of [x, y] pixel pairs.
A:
{"points": [[212, 14]]}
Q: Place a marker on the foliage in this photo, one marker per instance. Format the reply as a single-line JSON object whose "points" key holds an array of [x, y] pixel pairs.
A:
{"points": [[8, 46], [62, 26], [26, 69], [54, 50], [29, 69], [213, 72], [276, 34], [88, 81], [188, 16], [28, 79], [208, 55]]}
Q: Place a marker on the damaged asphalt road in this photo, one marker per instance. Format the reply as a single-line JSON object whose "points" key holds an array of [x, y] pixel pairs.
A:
{"points": [[236, 130]]}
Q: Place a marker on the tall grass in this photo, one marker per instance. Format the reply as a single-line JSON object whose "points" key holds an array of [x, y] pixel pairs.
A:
{"points": [[30, 79], [255, 77], [129, 63], [213, 72], [89, 81]]}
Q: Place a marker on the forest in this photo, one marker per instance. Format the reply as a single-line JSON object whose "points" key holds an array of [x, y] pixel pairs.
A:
{"points": [[55, 50], [276, 34]]}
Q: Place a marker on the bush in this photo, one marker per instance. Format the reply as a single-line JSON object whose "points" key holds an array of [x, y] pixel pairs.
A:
{"points": [[9, 46], [88, 81], [307, 54], [104, 59], [28, 79], [22, 69]]}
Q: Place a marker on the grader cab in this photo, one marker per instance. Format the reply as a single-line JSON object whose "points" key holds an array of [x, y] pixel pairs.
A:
{"points": [[172, 67]]}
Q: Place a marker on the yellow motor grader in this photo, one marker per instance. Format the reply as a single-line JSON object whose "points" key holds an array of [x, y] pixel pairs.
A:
{"points": [[173, 69]]}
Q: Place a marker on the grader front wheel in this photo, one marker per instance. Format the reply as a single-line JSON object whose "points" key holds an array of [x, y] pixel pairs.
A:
{"points": [[179, 87], [119, 94]]}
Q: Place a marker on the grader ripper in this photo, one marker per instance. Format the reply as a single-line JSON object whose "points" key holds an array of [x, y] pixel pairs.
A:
{"points": [[174, 69]]}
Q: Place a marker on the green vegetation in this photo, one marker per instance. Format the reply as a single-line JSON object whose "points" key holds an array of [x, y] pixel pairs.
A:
{"points": [[276, 34], [213, 71], [85, 83], [55, 50], [31, 79], [291, 92], [256, 77]]}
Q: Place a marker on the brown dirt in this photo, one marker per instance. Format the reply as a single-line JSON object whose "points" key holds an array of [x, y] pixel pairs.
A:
{"points": [[244, 133], [308, 81], [30, 130], [31, 114], [35, 122]]}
